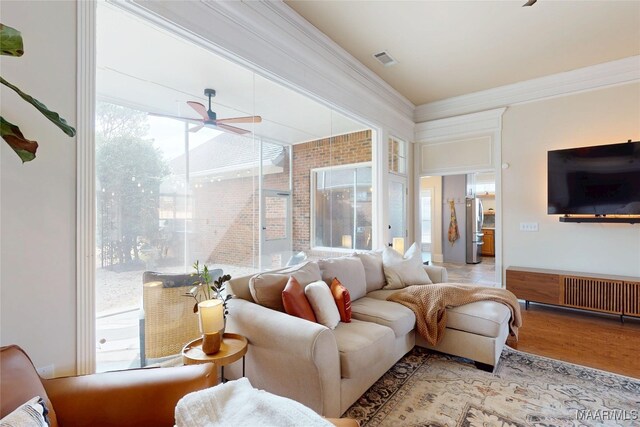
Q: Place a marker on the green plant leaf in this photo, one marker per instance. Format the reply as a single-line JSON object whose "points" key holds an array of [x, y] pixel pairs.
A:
{"points": [[51, 115], [10, 41], [24, 148]]}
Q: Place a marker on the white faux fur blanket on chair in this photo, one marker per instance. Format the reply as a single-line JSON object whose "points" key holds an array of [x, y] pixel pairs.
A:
{"points": [[237, 403]]}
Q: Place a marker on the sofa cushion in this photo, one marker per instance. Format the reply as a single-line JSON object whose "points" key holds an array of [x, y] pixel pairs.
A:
{"points": [[295, 301], [373, 271], [480, 317], [361, 345], [404, 271], [349, 270], [342, 299], [323, 304], [382, 294], [266, 288], [386, 313]]}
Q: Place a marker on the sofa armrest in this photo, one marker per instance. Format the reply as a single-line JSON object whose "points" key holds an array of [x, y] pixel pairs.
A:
{"points": [[436, 273], [288, 356], [136, 397]]}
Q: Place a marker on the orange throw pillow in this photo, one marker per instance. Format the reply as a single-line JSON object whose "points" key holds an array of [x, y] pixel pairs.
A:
{"points": [[343, 300], [295, 301]]}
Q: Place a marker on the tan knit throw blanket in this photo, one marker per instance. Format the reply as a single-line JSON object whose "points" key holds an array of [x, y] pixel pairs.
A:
{"points": [[429, 303]]}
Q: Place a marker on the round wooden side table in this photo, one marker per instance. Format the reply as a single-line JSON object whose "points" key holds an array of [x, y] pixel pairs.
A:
{"points": [[232, 348]]}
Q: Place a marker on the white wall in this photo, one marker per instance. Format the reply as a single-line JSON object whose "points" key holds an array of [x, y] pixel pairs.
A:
{"points": [[598, 117], [38, 199]]}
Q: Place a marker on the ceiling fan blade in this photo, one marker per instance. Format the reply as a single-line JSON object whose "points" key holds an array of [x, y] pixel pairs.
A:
{"points": [[169, 116], [529, 3], [200, 109], [232, 129], [248, 119], [196, 128]]}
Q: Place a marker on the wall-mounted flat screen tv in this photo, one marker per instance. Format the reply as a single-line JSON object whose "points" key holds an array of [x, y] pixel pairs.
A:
{"points": [[600, 180]]}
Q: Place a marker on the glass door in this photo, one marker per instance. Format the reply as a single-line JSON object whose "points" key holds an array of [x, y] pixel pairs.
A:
{"points": [[397, 212], [276, 242]]}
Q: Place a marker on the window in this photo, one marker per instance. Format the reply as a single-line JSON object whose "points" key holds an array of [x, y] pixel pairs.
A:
{"points": [[397, 207], [425, 215], [397, 156], [341, 207]]}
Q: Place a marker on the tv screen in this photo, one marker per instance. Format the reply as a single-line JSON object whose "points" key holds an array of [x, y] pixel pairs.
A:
{"points": [[601, 180]]}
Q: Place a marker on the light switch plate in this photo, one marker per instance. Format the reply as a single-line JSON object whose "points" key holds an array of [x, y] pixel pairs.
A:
{"points": [[528, 226]]}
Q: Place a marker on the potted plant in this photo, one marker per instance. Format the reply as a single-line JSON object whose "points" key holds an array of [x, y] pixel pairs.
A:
{"points": [[206, 288]]}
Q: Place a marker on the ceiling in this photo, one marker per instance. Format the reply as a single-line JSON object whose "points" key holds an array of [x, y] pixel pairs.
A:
{"points": [[450, 48], [172, 71]]}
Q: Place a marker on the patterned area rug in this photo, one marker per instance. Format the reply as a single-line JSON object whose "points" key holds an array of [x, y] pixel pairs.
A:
{"points": [[432, 389]]}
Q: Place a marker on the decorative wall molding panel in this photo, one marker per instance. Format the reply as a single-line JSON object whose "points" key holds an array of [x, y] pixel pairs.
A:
{"points": [[472, 154]]}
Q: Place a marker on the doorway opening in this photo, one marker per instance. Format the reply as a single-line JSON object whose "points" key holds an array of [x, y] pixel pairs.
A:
{"points": [[457, 225]]}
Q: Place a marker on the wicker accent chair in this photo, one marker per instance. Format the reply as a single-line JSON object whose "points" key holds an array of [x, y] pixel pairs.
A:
{"points": [[168, 321]]}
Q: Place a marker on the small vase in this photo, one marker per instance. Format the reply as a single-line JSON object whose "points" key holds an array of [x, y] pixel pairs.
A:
{"points": [[211, 343]]}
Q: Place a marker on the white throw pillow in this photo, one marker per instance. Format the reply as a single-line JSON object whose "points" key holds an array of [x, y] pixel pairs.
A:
{"points": [[350, 272], [404, 271], [323, 304], [373, 270], [30, 414], [266, 288]]}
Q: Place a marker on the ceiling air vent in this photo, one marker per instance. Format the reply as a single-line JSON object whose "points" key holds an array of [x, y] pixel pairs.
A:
{"points": [[385, 59]]}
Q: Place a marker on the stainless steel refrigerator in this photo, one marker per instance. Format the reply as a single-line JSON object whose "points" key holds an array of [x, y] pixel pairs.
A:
{"points": [[475, 218]]}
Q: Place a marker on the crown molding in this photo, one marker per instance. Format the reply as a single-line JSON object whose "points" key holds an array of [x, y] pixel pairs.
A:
{"points": [[340, 56], [617, 72], [274, 41]]}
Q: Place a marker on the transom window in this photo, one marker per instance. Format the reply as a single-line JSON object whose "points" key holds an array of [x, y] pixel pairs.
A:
{"points": [[397, 156]]}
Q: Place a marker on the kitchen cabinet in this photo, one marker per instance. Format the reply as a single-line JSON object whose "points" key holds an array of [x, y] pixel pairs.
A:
{"points": [[489, 246]]}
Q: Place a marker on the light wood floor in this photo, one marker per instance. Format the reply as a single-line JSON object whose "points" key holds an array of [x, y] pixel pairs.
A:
{"points": [[587, 339]]}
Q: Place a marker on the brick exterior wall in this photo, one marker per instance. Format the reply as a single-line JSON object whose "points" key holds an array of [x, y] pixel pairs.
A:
{"points": [[226, 214], [335, 151]]}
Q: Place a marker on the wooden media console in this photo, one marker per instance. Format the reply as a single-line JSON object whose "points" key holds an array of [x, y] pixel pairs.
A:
{"points": [[618, 295]]}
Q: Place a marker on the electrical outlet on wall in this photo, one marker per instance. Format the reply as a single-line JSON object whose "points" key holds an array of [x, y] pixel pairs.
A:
{"points": [[528, 226], [46, 371]]}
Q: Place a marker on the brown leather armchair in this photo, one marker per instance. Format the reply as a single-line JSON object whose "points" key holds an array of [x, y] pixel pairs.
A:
{"points": [[137, 397]]}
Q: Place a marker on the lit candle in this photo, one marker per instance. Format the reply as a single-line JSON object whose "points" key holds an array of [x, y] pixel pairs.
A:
{"points": [[211, 316]]}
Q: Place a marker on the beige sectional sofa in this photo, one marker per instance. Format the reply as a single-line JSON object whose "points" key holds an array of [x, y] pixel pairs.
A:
{"points": [[328, 370]]}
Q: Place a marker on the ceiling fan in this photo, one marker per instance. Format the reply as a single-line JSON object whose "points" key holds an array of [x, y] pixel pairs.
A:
{"points": [[210, 118]]}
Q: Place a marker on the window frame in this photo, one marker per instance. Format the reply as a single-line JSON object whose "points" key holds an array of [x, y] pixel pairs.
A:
{"points": [[393, 166], [312, 205]]}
